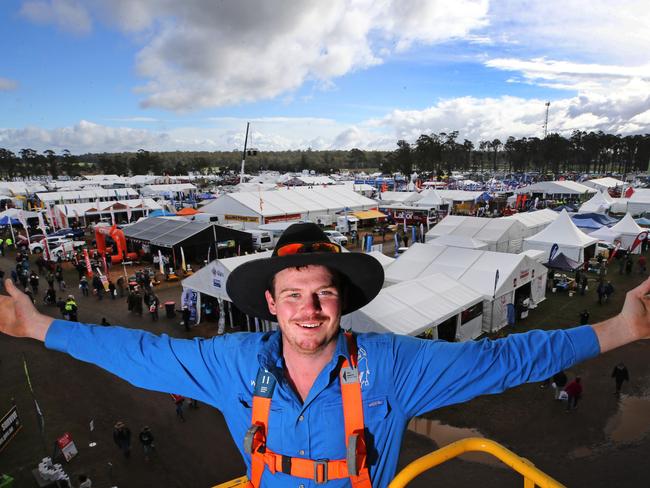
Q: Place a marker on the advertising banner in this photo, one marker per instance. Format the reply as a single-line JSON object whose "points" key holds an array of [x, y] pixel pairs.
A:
{"points": [[9, 427]]}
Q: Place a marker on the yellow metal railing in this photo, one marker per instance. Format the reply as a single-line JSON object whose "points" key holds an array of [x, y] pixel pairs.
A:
{"points": [[532, 476]]}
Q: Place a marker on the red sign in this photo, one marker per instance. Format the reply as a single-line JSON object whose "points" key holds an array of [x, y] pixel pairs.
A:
{"points": [[282, 218], [66, 444], [89, 268]]}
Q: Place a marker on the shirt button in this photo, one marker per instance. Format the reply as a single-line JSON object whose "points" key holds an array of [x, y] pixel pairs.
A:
{"points": [[301, 418], [302, 452]]}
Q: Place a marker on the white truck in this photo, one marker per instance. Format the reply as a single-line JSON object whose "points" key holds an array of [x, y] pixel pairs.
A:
{"points": [[345, 224], [262, 239]]}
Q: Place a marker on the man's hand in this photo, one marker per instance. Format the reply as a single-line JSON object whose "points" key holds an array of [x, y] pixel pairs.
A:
{"points": [[19, 317], [631, 324]]}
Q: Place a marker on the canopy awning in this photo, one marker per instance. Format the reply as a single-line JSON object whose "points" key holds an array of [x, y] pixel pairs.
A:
{"points": [[369, 214]]}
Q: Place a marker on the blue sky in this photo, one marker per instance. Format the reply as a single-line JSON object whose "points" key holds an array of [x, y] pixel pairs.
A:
{"points": [[114, 75]]}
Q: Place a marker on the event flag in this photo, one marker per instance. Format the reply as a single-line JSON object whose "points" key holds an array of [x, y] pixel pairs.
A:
{"points": [[183, 266], [112, 216], [41, 222], [89, 268], [496, 281], [617, 246], [639, 239], [554, 249], [161, 263], [128, 212]]}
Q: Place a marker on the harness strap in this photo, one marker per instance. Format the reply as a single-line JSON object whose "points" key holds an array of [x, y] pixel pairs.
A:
{"points": [[354, 466]]}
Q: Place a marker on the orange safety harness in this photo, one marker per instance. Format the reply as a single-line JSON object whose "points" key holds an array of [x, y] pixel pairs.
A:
{"points": [[354, 466]]}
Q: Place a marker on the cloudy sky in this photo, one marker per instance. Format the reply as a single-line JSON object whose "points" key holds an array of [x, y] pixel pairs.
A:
{"points": [[116, 75]]}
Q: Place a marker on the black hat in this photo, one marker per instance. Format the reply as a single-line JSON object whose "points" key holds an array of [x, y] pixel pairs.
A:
{"points": [[246, 285]]}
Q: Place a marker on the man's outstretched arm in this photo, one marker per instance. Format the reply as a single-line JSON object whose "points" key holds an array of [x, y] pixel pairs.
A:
{"points": [[631, 324], [19, 317]]}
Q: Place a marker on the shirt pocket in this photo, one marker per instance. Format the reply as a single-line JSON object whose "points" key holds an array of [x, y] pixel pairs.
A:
{"points": [[275, 421]]}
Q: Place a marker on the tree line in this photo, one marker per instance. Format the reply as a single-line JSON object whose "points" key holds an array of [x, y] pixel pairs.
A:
{"points": [[436, 154]]}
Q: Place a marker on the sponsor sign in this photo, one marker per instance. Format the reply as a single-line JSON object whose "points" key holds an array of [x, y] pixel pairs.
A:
{"points": [[9, 427], [241, 218], [66, 444], [282, 218]]}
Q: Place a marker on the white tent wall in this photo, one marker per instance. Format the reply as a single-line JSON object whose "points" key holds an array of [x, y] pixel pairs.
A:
{"points": [[629, 231], [236, 212], [538, 288], [500, 235], [574, 252], [470, 330], [495, 312]]}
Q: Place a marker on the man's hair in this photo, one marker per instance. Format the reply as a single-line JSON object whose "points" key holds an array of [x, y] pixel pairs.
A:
{"points": [[338, 280]]}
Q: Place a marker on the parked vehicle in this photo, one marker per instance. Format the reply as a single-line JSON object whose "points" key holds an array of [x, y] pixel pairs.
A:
{"points": [[52, 242], [70, 233], [262, 239], [336, 237]]}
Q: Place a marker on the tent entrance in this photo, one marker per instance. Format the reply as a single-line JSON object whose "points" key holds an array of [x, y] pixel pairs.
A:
{"points": [[447, 329], [522, 293]]}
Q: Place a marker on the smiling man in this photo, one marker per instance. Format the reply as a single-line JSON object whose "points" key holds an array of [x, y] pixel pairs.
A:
{"points": [[296, 403]]}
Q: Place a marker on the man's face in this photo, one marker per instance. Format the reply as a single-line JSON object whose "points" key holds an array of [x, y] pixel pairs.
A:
{"points": [[308, 307]]}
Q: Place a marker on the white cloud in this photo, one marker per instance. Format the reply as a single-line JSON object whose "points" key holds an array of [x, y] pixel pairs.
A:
{"points": [[68, 15], [6, 84]]}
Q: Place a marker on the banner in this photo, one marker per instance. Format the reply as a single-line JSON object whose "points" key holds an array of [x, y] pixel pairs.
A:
{"points": [[66, 444], [161, 263], [89, 268], [128, 212], [554, 249], [192, 299], [639, 239], [9, 427], [617, 246], [103, 278]]}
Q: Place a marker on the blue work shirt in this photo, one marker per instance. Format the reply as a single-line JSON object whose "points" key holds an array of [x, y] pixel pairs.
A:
{"points": [[400, 376]]}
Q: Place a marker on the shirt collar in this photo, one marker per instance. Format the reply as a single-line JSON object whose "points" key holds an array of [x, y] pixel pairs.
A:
{"points": [[270, 354]]}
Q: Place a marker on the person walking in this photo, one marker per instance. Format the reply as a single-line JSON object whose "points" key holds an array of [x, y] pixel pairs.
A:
{"points": [[584, 317], [583, 283], [50, 279], [608, 290], [71, 308], [154, 303], [122, 438], [98, 287], [601, 292], [83, 284], [628, 264], [120, 286], [146, 439], [405, 238], [574, 392], [58, 276], [111, 289], [559, 382], [186, 314], [620, 375], [33, 282], [179, 400]]}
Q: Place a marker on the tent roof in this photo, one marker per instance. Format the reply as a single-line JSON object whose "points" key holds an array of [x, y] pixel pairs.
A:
{"points": [[627, 225], [480, 228], [459, 195], [459, 241], [187, 211], [472, 267], [429, 198], [598, 203], [164, 232], [605, 234], [563, 232], [382, 258], [587, 223], [640, 195], [564, 263], [413, 306], [607, 182], [211, 279], [400, 196], [556, 187], [79, 209], [536, 218], [87, 194]]}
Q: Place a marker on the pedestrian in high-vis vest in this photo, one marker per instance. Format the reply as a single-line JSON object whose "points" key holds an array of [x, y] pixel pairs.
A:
{"points": [[308, 403]]}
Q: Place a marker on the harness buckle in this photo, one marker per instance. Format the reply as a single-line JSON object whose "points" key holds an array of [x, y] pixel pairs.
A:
{"points": [[323, 463], [249, 438], [351, 455]]}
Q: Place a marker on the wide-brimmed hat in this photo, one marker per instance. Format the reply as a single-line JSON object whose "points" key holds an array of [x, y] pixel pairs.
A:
{"points": [[246, 285]]}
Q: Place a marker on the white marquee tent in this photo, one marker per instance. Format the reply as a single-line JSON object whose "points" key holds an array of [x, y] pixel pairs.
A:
{"points": [[534, 222], [639, 202], [604, 183], [605, 234], [477, 270], [558, 188], [629, 230], [452, 240], [404, 197], [596, 204], [414, 306], [287, 205], [501, 235], [574, 243]]}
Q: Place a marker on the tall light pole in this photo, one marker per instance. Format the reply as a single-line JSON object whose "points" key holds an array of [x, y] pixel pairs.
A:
{"points": [[548, 104], [243, 154]]}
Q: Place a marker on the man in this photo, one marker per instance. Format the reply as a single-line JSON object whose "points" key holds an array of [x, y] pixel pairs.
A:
{"points": [[319, 390], [620, 375]]}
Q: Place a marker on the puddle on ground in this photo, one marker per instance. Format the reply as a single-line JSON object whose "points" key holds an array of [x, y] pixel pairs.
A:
{"points": [[632, 421], [443, 435]]}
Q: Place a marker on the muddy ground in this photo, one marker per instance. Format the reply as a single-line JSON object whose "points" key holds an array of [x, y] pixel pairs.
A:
{"points": [[572, 447]]}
